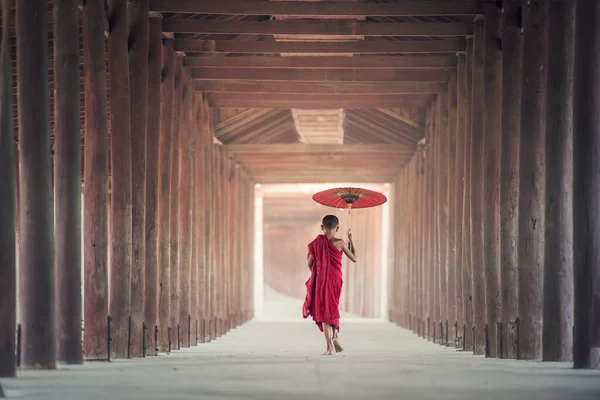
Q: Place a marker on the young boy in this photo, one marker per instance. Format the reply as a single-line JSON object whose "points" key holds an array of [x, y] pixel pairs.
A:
{"points": [[324, 286]]}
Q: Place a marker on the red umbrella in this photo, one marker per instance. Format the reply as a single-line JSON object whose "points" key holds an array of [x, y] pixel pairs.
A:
{"points": [[349, 198]]}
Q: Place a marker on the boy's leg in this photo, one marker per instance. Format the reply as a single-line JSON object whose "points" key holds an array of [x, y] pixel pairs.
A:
{"points": [[328, 339], [336, 340]]}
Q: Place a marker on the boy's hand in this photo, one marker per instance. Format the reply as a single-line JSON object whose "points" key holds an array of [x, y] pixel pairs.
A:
{"points": [[349, 235]]}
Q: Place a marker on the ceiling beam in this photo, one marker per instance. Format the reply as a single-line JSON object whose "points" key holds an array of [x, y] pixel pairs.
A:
{"points": [[316, 88], [314, 148], [322, 178], [332, 9], [316, 28], [325, 62], [362, 47], [311, 75], [309, 102]]}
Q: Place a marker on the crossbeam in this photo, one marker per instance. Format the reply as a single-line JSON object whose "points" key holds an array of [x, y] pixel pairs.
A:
{"points": [[310, 101], [315, 148], [361, 47], [325, 62], [307, 9], [311, 75], [315, 88], [315, 28]]}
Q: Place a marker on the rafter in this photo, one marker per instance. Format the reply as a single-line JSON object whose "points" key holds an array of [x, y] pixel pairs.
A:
{"points": [[325, 62], [316, 148], [315, 28], [362, 47], [331, 9], [315, 88]]}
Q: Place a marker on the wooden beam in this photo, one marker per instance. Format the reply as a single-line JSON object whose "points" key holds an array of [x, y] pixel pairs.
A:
{"points": [[316, 28], [315, 88], [321, 178], [331, 9], [313, 148], [308, 75], [362, 47], [325, 62], [309, 101]]}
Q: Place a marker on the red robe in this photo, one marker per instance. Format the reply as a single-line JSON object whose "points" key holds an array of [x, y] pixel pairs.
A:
{"points": [[324, 286]]}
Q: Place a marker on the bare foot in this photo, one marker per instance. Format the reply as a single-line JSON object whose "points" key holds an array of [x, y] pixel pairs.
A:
{"points": [[338, 348], [329, 352]]}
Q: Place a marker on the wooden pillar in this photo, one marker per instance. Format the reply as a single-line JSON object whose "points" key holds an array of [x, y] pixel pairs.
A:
{"points": [[194, 135], [459, 173], [8, 206], [138, 77], [175, 198], [211, 233], [443, 134], [67, 180], [36, 253], [121, 188], [477, 193], [492, 125], [434, 117], [95, 193], [185, 201], [532, 180], [467, 275], [451, 207], [201, 241], [152, 188], [430, 221], [557, 336], [586, 185], [509, 175], [164, 192]]}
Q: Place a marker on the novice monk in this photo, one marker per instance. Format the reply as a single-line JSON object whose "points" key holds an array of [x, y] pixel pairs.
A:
{"points": [[324, 286]]}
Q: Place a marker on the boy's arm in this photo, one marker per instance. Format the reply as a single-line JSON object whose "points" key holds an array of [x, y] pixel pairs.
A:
{"points": [[351, 253], [311, 262]]}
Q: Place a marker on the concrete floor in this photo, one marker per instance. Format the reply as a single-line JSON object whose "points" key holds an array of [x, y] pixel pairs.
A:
{"points": [[281, 360]]}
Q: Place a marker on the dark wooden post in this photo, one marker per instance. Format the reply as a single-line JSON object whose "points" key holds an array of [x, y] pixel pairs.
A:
{"points": [[532, 181], [152, 188], [195, 250], [557, 337], [175, 197], [586, 185], [138, 77], [36, 253], [200, 188], [164, 191], [95, 195], [443, 134], [492, 120], [477, 160], [211, 226], [461, 127], [434, 117], [467, 276], [509, 176], [430, 219], [121, 188], [8, 206], [185, 198], [67, 180], [451, 161]]}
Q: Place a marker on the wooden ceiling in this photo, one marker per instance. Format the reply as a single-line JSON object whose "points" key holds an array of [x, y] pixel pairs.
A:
{"points": [[382, 62]]}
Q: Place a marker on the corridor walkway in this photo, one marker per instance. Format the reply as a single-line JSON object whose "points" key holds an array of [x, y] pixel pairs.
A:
{"points": [[281, 360]]}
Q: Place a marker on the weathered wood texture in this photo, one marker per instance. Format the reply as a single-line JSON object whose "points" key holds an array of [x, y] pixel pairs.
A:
{"points": [[175, 197], [557, 337], [121, 184], [164, 192], [36, 252], [509, 175], [492, 124], [95, 194], [8, 206], [67, 181], [586, 186], [152, 176], [138, 78], [185, 189], [193, 124], [451, 207], [477, 193], [532, 180]]}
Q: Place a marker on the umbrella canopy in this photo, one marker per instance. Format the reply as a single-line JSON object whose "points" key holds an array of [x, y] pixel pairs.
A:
{"points": [[349, 198]]}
